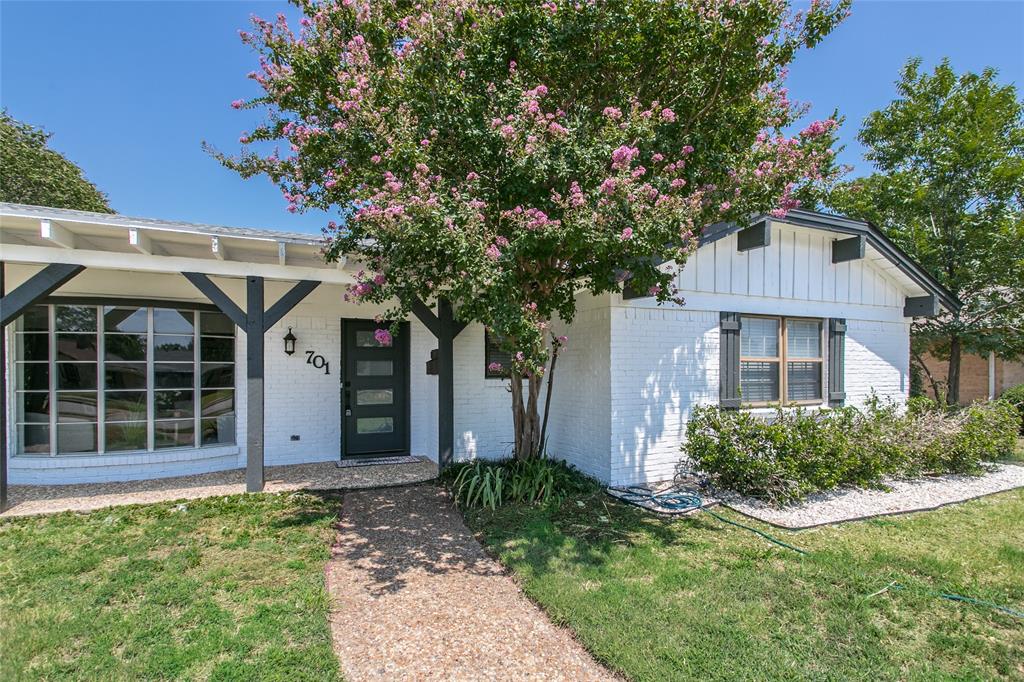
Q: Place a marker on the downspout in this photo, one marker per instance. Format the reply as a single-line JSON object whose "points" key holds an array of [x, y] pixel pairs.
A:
{"points": [[991, 375]]}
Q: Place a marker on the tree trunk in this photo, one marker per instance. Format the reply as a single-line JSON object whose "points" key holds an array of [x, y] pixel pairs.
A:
{"points": [[953, 375], [526, 415]]}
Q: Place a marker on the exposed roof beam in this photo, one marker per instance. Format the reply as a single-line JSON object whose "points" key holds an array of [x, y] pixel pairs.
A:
{"points": [[56, 234], [140, 241], [15, 253], [756, 236], [219, 252], [282, 253], [848, 249], [921, 306]]}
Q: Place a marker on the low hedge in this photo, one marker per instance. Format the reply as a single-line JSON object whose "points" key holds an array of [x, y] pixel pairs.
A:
{"points": [[1015, 396], [795, 452]]}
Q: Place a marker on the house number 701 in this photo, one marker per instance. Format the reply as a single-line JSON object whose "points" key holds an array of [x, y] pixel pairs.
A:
{"points": [[318, 361]]}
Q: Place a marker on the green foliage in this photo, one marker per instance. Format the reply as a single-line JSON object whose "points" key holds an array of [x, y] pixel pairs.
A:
{"points": [[948, 188], [794, 452], [489, 484], [33, 174], [1015, 396]]}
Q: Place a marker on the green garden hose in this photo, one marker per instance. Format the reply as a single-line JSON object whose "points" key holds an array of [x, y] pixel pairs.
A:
{"points": [[677, 501]]}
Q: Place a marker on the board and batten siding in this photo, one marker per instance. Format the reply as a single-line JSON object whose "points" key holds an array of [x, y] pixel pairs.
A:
{"points": [[665, 359]]}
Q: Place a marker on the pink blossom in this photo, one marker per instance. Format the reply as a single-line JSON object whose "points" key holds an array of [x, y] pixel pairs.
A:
{"points": [[557, 129], [818, 128], [375, 159], [725, 206], [563, 339], [472, 177], [379, 279], [383, 337], [424, 142], [520, 357], [667, 115], [655, 290], [507, 131], [623, 156], [658, 158], [626, 235], [608, 186], [493, 252], [613, 113], [688, 149], [237, 104], [494, 367]]}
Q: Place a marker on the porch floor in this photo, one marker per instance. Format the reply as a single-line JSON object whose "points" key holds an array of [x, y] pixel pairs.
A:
{"points": [[26, 500]]}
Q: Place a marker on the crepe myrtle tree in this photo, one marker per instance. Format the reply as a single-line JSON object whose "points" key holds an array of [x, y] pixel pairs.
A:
{"points": [[509, 155]]}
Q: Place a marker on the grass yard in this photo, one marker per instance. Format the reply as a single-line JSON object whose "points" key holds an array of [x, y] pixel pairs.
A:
{"points": [[227, 588], [697, 599]]}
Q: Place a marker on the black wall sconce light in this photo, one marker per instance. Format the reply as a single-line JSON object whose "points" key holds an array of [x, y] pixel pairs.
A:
{"points": [[289, 342]]}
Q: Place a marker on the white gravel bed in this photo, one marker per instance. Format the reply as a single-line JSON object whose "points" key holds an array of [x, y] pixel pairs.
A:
{"points": [[848, 504]]}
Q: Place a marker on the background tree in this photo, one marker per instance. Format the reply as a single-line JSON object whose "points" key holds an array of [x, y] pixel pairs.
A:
{"points": [[949, 160], [31, 173], [508, 155]]}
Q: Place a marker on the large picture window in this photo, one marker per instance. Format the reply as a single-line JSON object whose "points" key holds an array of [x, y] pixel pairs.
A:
{"points": [[780, 356], [94, 379]]}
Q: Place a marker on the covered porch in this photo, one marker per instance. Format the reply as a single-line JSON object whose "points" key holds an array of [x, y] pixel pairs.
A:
{"points": [[253, 278]]}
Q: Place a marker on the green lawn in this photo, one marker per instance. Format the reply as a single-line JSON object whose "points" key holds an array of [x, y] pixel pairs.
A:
{"points": [[698, 599], [226, 588]]}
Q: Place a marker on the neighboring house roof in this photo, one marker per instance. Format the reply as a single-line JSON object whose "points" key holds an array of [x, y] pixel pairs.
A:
{"points": [[873, 236]]}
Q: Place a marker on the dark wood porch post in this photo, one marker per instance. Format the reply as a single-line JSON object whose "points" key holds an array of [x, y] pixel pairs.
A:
{"points": [[3, 396], [445, 328], [445, 383], [254, 384], [12, 305], [255, 323]]}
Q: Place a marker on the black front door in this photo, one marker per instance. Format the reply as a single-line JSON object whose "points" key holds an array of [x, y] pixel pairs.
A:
{"points": [[374, 401]]}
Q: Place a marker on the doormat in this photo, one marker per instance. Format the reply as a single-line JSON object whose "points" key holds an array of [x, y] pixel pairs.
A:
{"points": [[376, 461]]}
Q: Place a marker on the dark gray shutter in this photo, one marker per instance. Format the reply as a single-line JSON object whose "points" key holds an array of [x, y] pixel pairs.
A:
{"points": [[729, 362], [836, 361]]}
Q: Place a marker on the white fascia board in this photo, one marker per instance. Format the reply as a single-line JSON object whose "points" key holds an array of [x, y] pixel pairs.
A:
{"points": [[143, 263]]}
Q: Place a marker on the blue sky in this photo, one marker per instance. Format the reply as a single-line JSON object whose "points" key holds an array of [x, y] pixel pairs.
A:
{"points": [[130, 89]]}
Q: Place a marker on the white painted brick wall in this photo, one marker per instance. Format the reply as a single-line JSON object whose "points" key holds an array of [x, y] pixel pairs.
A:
{"points": [[579, 428], [877, 359], [665, 361], [483, 407]]}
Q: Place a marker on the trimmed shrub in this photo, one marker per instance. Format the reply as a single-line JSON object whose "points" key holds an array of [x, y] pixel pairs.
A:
{"points": [[1015, 396], [792, 453]]}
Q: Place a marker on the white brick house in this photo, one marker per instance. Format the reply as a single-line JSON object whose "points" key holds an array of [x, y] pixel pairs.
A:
{"points": [[118, 366]]}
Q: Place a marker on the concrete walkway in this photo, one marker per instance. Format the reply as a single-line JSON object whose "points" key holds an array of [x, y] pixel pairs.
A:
{"points": [[26, 500], [415, 597]]}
